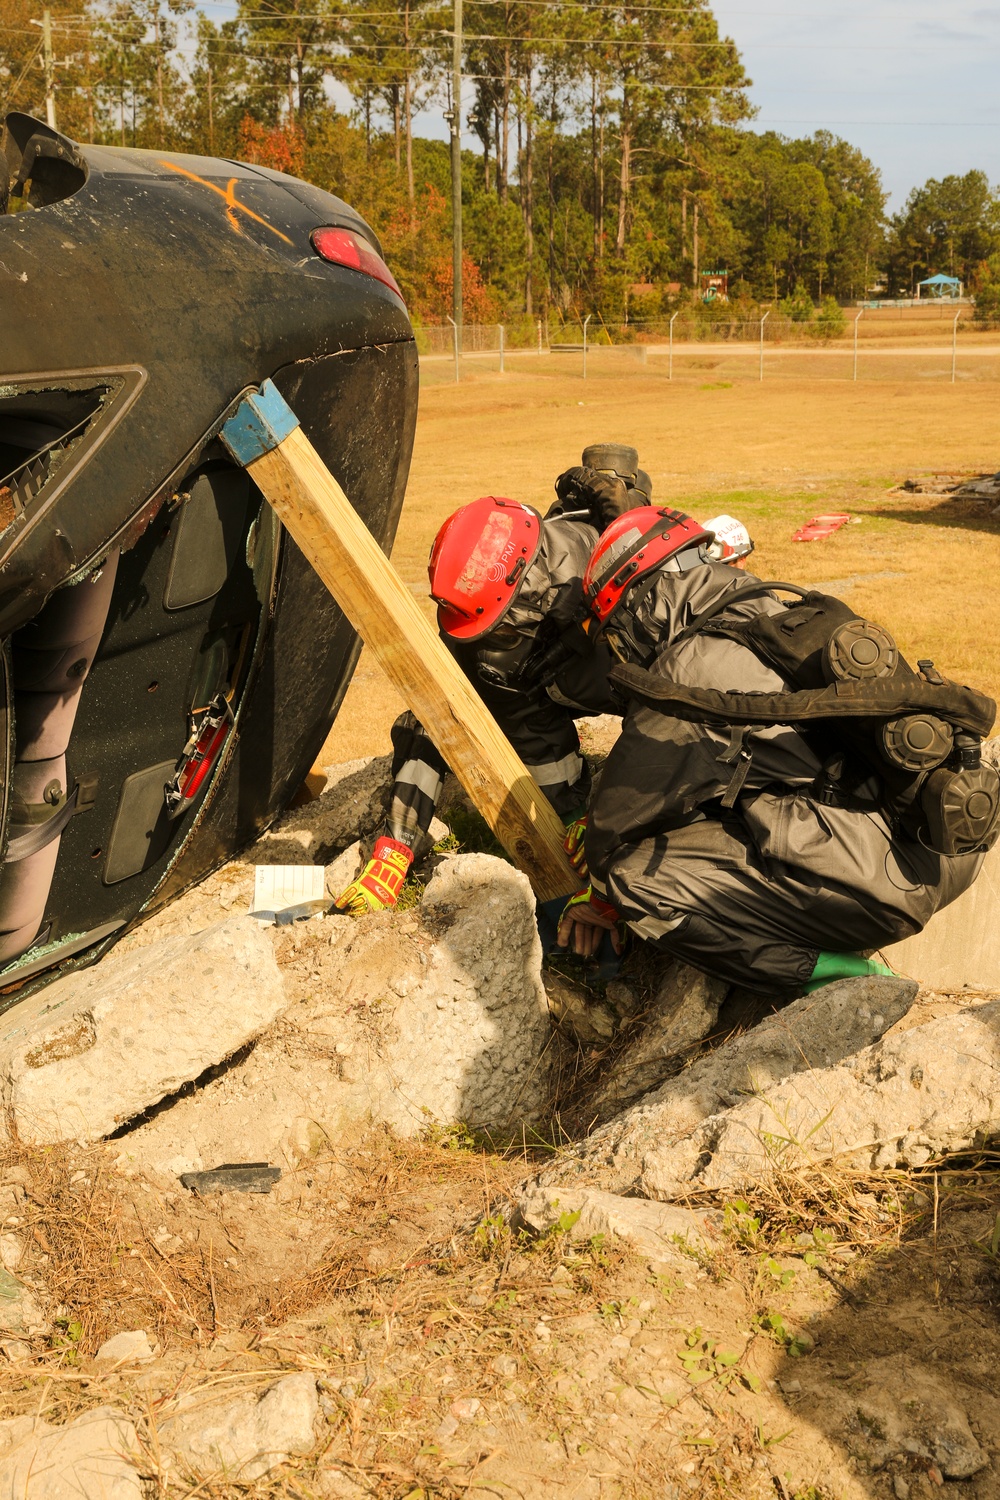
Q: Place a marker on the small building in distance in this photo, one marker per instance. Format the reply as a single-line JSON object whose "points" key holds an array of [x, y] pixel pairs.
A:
{"points": [[714, 286], [939, 286]]}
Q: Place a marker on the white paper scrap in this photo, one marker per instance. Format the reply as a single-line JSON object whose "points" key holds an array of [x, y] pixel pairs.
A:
{"points": [[278, 887]]}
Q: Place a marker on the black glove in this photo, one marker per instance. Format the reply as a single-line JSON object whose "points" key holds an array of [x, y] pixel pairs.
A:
{"points": [[604, 495]]}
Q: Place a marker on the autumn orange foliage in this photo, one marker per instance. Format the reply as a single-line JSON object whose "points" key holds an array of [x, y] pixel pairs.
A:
{"points": [[283, 148]]}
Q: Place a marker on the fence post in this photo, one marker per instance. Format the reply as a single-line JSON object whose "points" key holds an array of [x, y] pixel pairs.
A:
{"points": [[857, 320], [454, 339], [585, 322], [501, 346], [954, 344], [670, 356], [539, 335], [762, 322]]}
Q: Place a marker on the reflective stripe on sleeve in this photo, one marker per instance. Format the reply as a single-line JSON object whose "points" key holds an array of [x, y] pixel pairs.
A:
{"points": [[569, 769], [424, 777]]}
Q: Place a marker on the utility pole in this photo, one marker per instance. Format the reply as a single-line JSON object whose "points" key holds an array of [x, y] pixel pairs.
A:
{"points": [[50, 71], [456, 169]]}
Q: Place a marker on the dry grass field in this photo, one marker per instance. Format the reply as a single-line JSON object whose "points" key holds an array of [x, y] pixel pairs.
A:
{"points": [[772, 453]]}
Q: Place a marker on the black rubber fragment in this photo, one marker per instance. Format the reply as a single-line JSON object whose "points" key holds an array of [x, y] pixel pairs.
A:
{"points": [[233, 1177]]}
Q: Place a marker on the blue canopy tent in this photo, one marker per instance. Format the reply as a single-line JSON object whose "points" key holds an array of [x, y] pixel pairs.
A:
{"points": [[940, 286]]}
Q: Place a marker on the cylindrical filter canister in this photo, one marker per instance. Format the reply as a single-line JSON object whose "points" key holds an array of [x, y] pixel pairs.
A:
{"points": [[858, 651], [917, 742]]}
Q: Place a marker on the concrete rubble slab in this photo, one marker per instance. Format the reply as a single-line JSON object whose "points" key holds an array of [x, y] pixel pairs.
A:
{"points": [[96, 1048], [91, 1458], [434, 1015], [928, 1090], [684, 1010], [815, 1031]]}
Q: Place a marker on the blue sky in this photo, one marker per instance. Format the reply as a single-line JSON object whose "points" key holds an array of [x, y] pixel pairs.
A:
{"points": [[910, 82]]}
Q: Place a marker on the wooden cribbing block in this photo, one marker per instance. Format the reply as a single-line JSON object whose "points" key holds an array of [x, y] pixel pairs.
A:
{"points": [[265, 438]]}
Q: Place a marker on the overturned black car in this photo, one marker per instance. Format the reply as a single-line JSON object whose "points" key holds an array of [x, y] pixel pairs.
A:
{"points": [[170, 664]]}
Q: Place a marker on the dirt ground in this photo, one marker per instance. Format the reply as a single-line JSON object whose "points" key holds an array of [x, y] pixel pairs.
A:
{"points": [[457, 1358], [773, 454]]}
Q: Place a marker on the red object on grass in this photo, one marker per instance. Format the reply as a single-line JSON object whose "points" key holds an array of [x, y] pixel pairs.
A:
{"points": [[820, 527]]}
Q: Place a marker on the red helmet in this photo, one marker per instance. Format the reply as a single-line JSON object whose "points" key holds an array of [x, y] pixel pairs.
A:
{"points": [[633, 546], [478, 562]]}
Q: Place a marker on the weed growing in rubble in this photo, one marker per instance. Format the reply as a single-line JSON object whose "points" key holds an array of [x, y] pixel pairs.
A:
{"points": [[703, 1361], [794, 1341]]}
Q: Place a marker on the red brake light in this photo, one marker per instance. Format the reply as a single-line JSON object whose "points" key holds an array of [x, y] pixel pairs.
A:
{"points": [[343, 248]]}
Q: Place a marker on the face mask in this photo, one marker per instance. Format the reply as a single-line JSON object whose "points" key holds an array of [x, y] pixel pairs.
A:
{"points": [[505, 657]]}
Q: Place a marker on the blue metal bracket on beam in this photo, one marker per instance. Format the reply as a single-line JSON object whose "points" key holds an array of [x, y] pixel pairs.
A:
{"points": [[260, 423]]}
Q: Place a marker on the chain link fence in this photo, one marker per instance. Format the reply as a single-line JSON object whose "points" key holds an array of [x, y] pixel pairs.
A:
{"points": [[933, 344]]}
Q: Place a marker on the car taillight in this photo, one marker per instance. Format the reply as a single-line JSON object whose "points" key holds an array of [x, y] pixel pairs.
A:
{"points": [[343, 248]]}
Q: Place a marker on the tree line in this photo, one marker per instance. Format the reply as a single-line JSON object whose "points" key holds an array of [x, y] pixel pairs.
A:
{"points": [[615, 160]]}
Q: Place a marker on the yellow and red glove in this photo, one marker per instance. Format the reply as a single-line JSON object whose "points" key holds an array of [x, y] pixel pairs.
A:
{"points": [[586, 918], [378, 886], [575, 834]]}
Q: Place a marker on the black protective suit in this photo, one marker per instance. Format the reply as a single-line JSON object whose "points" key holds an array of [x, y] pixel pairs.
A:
{"points": [[714, 845], [538, 721]]}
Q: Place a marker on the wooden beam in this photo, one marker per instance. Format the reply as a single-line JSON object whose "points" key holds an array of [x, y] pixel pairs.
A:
{"points": [[314, 509]]}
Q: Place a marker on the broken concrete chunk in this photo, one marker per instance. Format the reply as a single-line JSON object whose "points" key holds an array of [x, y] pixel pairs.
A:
{"points": [[657, 1140], [20, 1310], [243, 1439], [655, 1229], [684, 1011], [434, 1015], [578, 1010], [98, 1047], [126, 1348], [90, 1458], [351, 806], [931, 1089], [341, 871]]}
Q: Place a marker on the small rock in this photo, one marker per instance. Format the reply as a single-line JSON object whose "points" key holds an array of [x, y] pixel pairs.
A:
{"points": [[465, 1409], [245, 1438], [505, 1365], [543, 1333], [934, 1475], [900, 1488], [622, 998], [345, 868], [20, 1310], [11, 1251], [307, 1138], [653, 1228], [15, 1349], [446, 1428], [126, 1348], [576, 1008]]}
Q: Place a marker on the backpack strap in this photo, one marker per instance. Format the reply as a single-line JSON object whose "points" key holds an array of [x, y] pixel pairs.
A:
{"points": [[878, 698], [735, 596]]}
